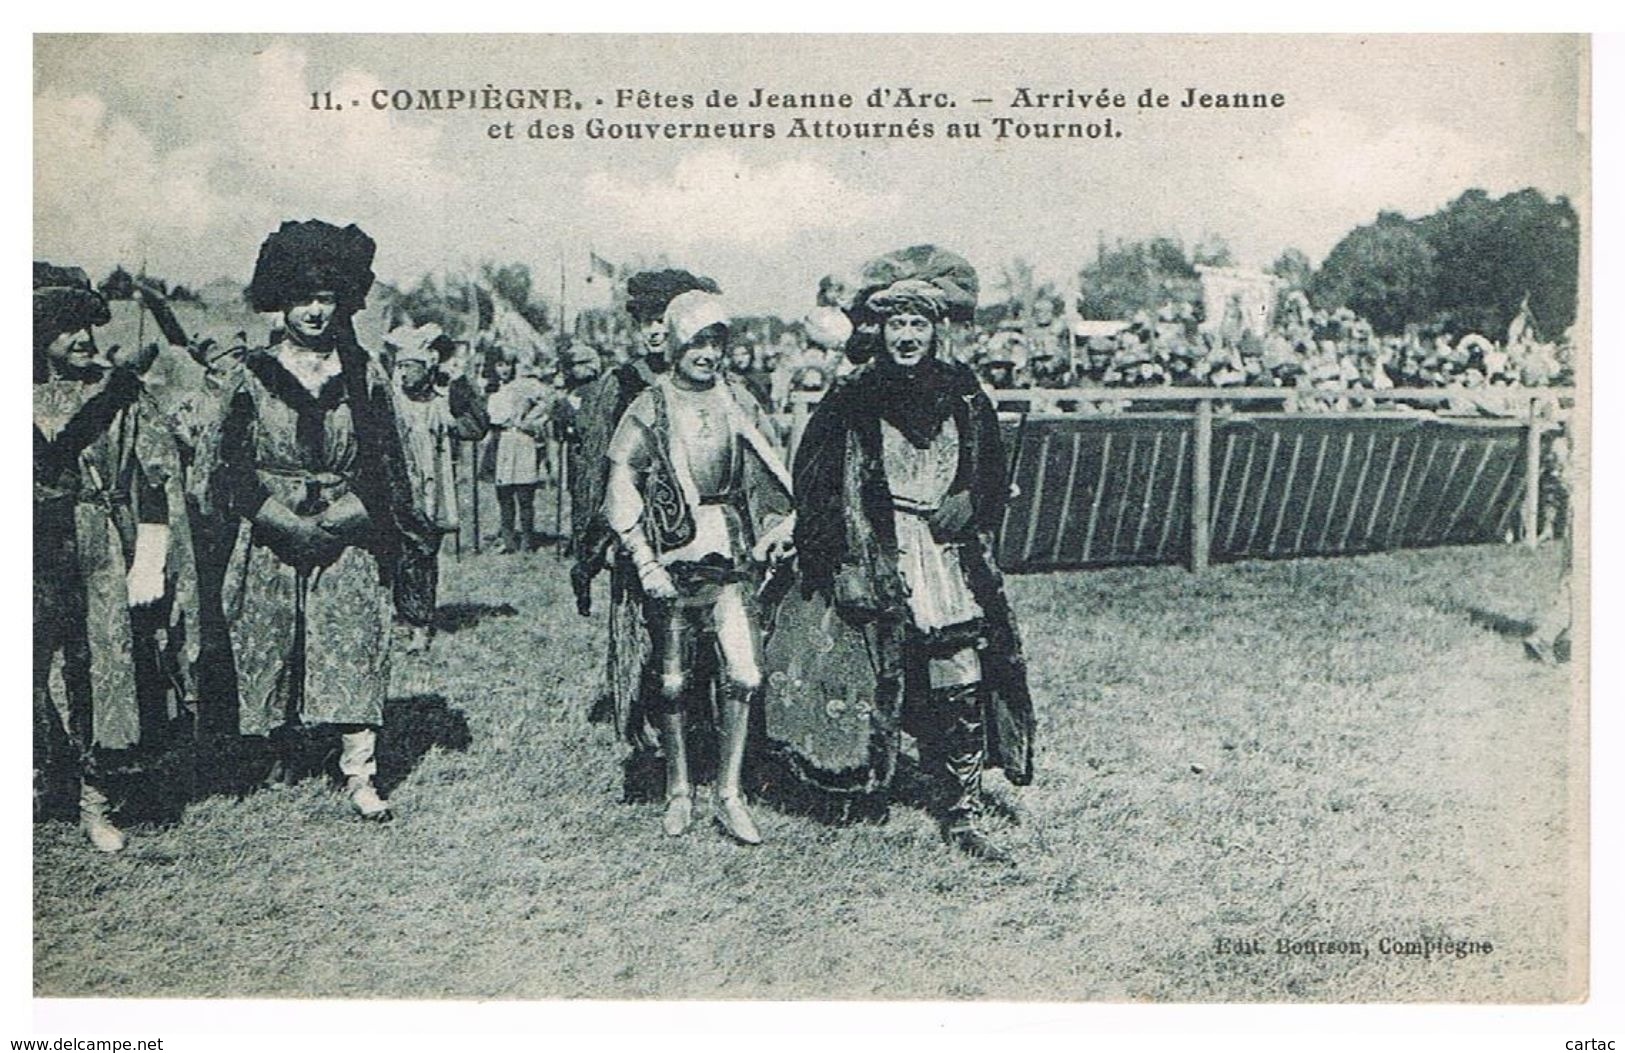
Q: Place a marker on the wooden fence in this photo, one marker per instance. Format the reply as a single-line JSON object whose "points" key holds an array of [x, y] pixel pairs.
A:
{"points": [[1194, 475], [1198, 480]]}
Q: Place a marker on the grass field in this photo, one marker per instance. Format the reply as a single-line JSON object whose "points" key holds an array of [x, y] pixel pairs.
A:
{"points": [[1315, 750]]}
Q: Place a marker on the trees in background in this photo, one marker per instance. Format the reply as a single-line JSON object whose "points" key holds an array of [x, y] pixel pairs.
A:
{"points": [[1384, 271], [1466, 267], [1137, 276]]}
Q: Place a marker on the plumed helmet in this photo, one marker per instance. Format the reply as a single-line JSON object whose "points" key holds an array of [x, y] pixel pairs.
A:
{"points": [[64, 302], [301, 258], [649, 292]]}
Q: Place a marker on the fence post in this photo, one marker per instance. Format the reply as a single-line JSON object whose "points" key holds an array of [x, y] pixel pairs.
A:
{"points": [[1201, 469], [474, 497], [561, 476], [1531, 480]]}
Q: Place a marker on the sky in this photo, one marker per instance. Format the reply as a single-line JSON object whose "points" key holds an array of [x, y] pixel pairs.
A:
{"points": [[181, 153]]}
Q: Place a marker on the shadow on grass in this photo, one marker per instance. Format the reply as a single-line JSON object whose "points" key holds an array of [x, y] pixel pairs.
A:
{"points": [[412, 727], [1499, 623], [149, 784], [455, 617], [238, 765], [777, 780]]}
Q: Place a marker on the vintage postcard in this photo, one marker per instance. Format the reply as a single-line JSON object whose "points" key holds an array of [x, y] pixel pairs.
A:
{"points": [[868, 517]]}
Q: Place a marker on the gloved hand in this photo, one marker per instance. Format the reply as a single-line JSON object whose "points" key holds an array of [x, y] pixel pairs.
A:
{"points": [[948, 522], [346, 520], [297, 540], [656, 581], [776, 544], [144, 581]]}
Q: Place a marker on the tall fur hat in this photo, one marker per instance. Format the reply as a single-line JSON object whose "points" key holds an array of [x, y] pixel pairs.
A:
{"points": [[64, 302], [649, 292], [301, 258]]}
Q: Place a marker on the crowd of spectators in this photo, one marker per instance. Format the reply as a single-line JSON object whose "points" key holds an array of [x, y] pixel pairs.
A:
{"points": [[1306, 350]]}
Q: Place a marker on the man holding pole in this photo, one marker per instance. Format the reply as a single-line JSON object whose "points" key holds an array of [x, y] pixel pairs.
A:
{"points": [[433, 418]]}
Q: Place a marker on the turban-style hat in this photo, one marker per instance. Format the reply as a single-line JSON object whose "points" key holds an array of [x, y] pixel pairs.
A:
{"points": [[64, 302], [954, 278], [909, 296], [583, 355], [302, 258], [690, 314], [648, 293]]}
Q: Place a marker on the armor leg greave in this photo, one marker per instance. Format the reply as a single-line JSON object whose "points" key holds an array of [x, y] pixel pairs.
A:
{"points": [[679, 794], [731, 811]]}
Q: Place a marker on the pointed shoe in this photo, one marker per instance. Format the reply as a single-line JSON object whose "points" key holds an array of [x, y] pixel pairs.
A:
{"points": [[736, 819], [679, 814], [367, 802]]}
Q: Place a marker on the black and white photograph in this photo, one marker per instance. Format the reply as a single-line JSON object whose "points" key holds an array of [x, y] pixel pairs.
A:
{"points": [[739, 518]]}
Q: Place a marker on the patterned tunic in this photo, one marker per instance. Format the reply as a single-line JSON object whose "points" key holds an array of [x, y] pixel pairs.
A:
{"points": [[105, 470], [311, 645]]}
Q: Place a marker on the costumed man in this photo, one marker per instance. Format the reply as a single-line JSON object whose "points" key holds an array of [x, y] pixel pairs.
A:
{"points": [[115, 603], [518, 408], [632, 683], [900, 486], [580, 365], [310, 463], [434, 418], [698, 496]]}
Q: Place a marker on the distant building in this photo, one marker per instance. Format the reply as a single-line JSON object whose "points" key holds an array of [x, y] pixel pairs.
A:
{"points": [[1236, 300], [222, 292]]}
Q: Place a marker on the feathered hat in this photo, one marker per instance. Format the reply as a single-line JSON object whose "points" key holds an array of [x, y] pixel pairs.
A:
{"points": [[649, 292]]}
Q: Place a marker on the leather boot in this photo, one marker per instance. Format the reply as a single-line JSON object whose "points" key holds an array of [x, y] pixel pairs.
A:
{"points": [[730, 804], [94, 822], [679, 794], [963, 757]]}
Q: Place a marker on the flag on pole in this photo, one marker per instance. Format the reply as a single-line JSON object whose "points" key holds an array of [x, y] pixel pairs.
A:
{"points": [[507, 327], [597, 288]]}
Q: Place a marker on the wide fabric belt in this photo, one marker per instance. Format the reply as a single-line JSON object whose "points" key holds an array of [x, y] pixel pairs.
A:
{"points": [[303, 475]]}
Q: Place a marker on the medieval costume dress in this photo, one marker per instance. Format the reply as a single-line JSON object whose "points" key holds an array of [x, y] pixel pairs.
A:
{"points": [[433, 420], [307, 432], [900, 482], [115, 604], [519, 411]]}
